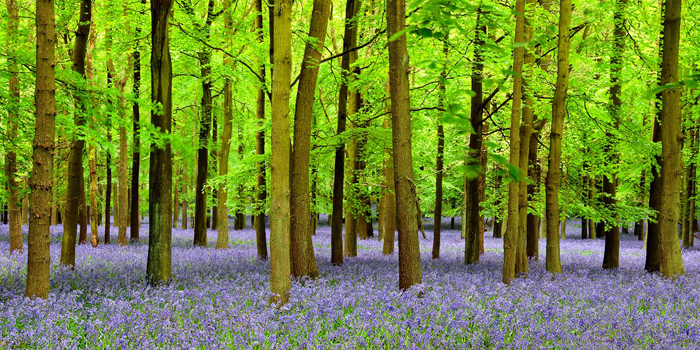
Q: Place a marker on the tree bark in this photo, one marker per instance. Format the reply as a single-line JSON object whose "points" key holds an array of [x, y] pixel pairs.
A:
{"points": [[280, 210], [136, 142], [552, 261], [204, 57], [409, 254], [303, 258], [389, 195], [75, 159], [260, 238], [41, 183], [13, 109], [160, 177], [671, 262], [339, 171], [439, 166], [510, 241]]}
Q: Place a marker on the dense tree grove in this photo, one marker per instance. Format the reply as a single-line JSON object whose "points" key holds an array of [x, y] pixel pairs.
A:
{"points": [[516, 116]]}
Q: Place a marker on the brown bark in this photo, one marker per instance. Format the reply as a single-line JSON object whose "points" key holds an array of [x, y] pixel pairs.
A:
{"points": [[75, 159], [439, 166], [553, 262], [389, 195], [13, 108], [303, 258], [510, 240], [136, 142], [280, 210], [409, 254], [349, 41], [260, 238], [160, 177], [41, 183], [671, 262]]}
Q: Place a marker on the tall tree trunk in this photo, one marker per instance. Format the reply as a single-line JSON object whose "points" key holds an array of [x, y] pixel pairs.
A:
{"points": [[108, 185], [350, 198], [389, 191], [526, 128], [439, 166], [204, 57], [13, 108], [41, 183], [671, 262], [470, 221], [510, 241], [552, 261], [611, 257], [303, 258], [497, 220], [176, 195], [160, 172], [92, 151], [75, 159], [260, 238], [280, 220], [691, 188], [136, 142], [222, 237], [82, 209], [409, 254], [349, 41], [123, 174], [185, 183], [534, 173]]}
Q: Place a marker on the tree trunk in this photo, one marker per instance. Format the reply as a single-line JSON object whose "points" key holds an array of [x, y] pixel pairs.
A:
{"points": [[350, 219], [470, 221], [160, 172], [671, 262], [41, 183], [553, 262], [176, 196], [75, 158], [349, 41], [260, 238], [280, 210], [409, 254], [688, 238], [510, 241], [439, 166], [611, 257], [123, 173], [200, 209], [136, 142], [303, 258], [13, 108], [389, 222], [497, 220]]}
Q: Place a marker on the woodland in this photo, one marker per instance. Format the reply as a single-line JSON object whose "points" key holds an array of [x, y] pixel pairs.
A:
{"points": [[349, 174]]}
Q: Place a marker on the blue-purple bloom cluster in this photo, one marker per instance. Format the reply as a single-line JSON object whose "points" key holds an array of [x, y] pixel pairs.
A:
{"points": [[219, 299]]}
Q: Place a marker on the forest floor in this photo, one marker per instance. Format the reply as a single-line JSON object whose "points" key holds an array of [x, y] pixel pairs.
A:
{"points": [[218, 299]]}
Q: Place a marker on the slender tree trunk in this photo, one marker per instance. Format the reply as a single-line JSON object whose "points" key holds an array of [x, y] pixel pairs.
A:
{"points": [[439, 166], [176, 196], [204, 57], [303, 258], [526, 128], [497, 220], [41, 183], [349, 41], [691, 188], [611, 257], [280, 210], [160, 177], [136, 143], [409, 254], [350, 219], [510, 241], [260, 238], [553, 262], [185, 184], [82, 208], [75, 159], [470, 221], [108, 185], [13, 108], [389, 193], [671, 262], [123, 173]]}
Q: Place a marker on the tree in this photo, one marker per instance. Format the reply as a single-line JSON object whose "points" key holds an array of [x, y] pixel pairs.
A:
{"points": [[204, 58], [510, 239], [16, 242], [75, 188], [350, 37], [671, 262], [611, 258], [260, 239], [41, 182], [280, 282], [439, 166], [553, 262], [409, 254], [160, 176], [303, 258], [222, 197], [136, 145]]}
